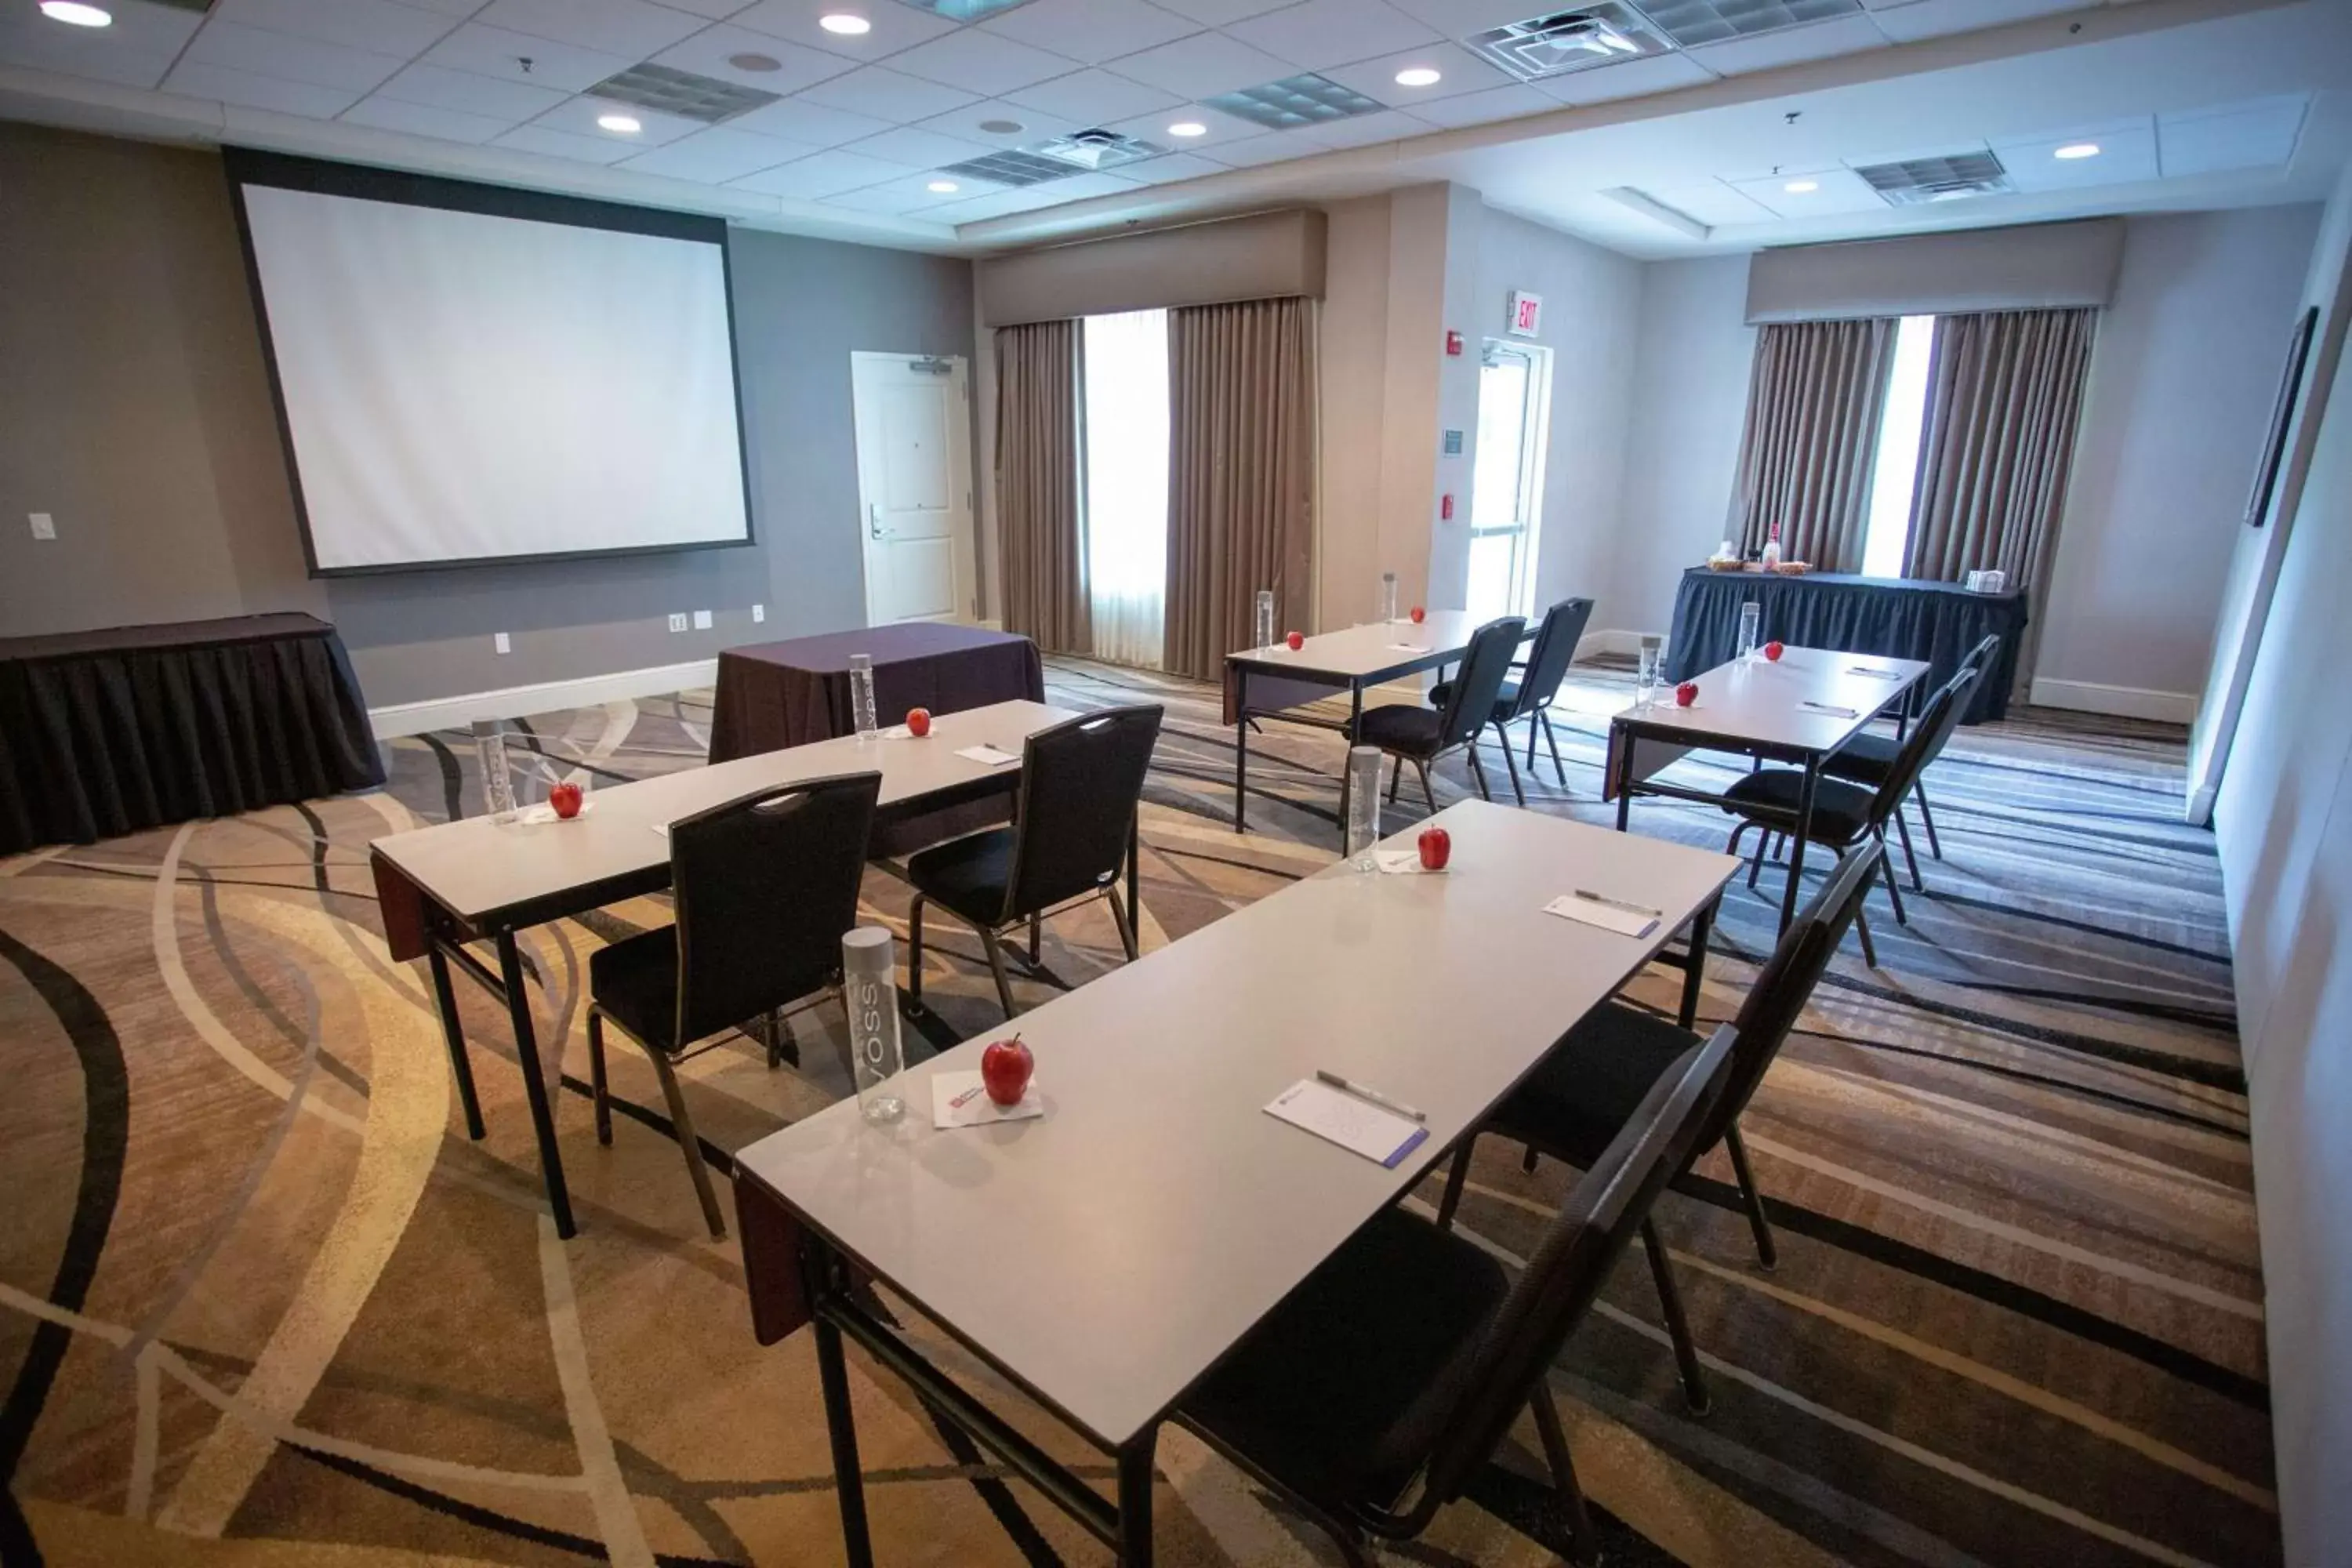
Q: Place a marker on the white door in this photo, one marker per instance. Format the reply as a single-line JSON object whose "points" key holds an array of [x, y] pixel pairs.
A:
{"points": [[914, 484]]}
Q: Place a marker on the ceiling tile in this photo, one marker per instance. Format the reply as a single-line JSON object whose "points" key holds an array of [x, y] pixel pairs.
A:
{"points": [[1710, 202], [797, 120], [1275, 147], [424, 119], [578, 116], [137, 26], [1484, 108], [1203, 66], [895, 25], [261, 52], [1633, 78], [908, 195], [1322, 33], [1790, 46], [1218, 13], [1085, 188], [980, 62], [379, 25], [2242, 136], [1460, 18], [494, 51], [1935, 18], [461, 9], [884, 94], [2127, 154], [1219, 128], [29, 40], [1091, 30], [823, 175], [717, 155], [631, 29], [1092, 97], [1028, 125], [224, 84], [1835, 192], [917, 148], [1001, 204], [711, 53], [562, 144], [1167, 170], [482, 97], [709, 10], [1459, 72], [1387, 125]]}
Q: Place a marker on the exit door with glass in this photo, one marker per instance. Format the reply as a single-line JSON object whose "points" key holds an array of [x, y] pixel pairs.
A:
{"points": [[1506, 487]]}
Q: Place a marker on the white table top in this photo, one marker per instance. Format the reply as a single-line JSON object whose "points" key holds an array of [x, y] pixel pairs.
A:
{"points": [[1373, 649], [1763, 701], [1108, 1254], [474, 866]]}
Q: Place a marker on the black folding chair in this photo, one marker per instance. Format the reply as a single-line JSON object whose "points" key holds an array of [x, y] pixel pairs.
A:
{"points": [[1868, 758], [1531, 694], [1080, 784], [1421, 735], [1381, 1387], [764, 887], [1579, 1101]]}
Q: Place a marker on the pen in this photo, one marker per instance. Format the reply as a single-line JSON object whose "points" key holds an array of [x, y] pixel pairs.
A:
{"points": [[1619, 904], [959, 1102], [1828, 707], [1360, 1092]]}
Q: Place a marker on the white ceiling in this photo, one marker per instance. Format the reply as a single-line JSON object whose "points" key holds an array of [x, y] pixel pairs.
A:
{"points": [[2192, 103]]}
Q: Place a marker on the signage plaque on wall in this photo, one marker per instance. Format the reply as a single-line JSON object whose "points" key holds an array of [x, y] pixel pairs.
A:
{"points": [[1527, 314]]}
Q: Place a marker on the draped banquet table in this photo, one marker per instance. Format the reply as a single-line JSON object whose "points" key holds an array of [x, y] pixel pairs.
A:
{"points": [[108, 733], [1892, 618]]}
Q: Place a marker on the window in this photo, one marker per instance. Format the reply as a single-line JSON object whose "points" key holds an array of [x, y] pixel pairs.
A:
{"points": [[1886, 537], [1126, 498]]}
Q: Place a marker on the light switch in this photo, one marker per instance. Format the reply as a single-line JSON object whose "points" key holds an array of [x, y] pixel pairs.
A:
{"points": [[44, 525], [498, 641], [702, 620], [677, 622], [759, 614]]}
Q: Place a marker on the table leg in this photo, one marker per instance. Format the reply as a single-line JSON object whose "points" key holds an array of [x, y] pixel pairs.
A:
{"points": [[1625, 779], [1241, 744], [1135, 1500], [1796, 835], [534, 1084], [1355, 728], [848, 1480], [1135, 876], [1702, 931], [454, 1033]]}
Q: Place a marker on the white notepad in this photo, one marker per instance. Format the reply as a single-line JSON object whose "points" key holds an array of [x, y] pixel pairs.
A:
{"points": [[1403, 863], [1380, 1136], [1608, 917], [987, 756], [534, 814], [978, 1111]]}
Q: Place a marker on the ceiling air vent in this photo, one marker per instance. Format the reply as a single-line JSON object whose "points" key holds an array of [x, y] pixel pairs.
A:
{"points": [[1689, 23], [964, 10], [1914, 182], [1097, 149], [670, 91], [1567, 41], [196, 5], [1294, 100], [1011, 167]]}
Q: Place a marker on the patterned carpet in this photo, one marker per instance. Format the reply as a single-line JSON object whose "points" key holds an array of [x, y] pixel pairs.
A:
{"points": [[261, 1303]]}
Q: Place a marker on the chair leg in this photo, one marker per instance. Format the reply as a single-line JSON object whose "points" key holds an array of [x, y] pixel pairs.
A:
{"points": [[1531, 743], [1862, 929], [915, 950], [995, 951], [1584, 1545], [1455, 1176], [1036, 933], [1509, 766], [1928, 819], [684, 1125], [1396, 777], [1763, 842], [1902, 830], [1427, 794], [597, 1084], [1669, 1302], [782, 1047], [1118, 917], [1551, 743], [1478, 769], [1894, 893], [1530, 1160], [1767, 1254]]}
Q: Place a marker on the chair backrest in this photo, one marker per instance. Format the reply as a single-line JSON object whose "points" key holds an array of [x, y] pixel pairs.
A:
{"points": [[1554, 651], [1485, 665], [1925, 744], [1980, 658], [1080, 782], [1454, 1427], [764, 886]]}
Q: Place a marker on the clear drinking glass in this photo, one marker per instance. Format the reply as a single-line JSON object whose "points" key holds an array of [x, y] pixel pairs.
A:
{"points": [[861, 694], [1265, 619], [1363, 804], [1387, 606], [498, 784], [1652, 668], [1751, 616], [869, 989]]}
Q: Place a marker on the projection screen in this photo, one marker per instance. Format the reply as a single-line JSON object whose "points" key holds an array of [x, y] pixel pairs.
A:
{"points": [[466, 373]]}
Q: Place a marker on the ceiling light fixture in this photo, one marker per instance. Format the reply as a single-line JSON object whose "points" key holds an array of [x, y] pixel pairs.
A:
{"points": [[944, 187], [846, 23], [1419, 76], [2079, 150], [75, 15], [1188, 128], [619, 124], [1802, 187]]}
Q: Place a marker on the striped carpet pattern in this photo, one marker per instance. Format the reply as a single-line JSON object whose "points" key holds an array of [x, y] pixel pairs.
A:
{"points": [[262, 1303]]}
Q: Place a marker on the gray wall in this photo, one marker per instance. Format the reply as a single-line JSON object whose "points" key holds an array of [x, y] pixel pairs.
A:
{"points": [[136, 410]]}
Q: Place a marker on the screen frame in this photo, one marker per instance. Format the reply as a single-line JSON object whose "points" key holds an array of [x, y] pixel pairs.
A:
{"points": [[252, 166]]}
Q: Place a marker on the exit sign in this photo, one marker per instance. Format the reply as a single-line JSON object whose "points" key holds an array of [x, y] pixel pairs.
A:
{"points": [[1527, 314]]}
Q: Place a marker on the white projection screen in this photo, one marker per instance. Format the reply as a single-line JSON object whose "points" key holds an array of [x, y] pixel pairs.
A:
{"points": [[467, 375]]}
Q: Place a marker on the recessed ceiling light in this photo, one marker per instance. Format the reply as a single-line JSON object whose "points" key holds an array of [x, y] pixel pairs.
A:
{"points": [[751, 60], [846, 23], [944, 187], [619, 124], [1802, 187], [1419, 76], [75, 15], [1003, 127], [1188, 128], [2079, 150]]}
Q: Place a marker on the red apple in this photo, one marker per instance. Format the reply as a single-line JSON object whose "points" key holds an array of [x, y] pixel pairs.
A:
{"points": [[566, 798], [918, 723], [1419, 614], [1686, 694], [1436, 846], [1773, 651], [1295, 641], [1005, 1067]]}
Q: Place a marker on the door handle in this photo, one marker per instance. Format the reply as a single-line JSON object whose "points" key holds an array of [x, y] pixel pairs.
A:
{"points": [[874, 522]]}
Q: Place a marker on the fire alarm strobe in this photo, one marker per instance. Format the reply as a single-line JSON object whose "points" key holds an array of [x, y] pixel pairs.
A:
{"points": [[1453, 344]]}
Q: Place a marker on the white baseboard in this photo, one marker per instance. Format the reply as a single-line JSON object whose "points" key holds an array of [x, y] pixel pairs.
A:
{"points": [[588, 691], [1615, 640], [2124, 701]]}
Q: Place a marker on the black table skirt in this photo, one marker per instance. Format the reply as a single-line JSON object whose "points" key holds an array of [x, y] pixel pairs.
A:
{"points": [[104, 733], [1894, 618]]}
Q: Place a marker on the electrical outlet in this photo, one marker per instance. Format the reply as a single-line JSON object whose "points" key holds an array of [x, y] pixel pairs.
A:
{"points": [[500, 640], [702, 620], [677, 622], [44, 525], [759, 614]]}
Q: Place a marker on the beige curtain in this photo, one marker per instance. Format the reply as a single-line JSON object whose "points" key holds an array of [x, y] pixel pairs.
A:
{"points": [[1241, 386], [2004, 397], [1814, 400], [1040, 542]]}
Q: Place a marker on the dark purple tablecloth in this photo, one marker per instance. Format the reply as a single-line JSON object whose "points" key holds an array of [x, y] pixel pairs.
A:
{"points": [[779, 694]]}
